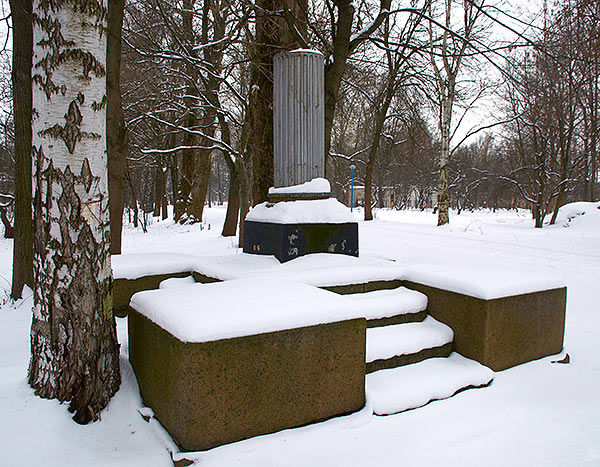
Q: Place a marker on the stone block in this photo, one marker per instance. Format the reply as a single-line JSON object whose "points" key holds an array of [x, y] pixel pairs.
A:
{"points": [[382, 285], [212, 393], [123, 289], [502, 332], [203, 278], [408, 359], [345, 289]]}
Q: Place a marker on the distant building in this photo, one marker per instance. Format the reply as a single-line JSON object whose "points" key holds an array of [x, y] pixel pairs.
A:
{"points": [[420, 200], [359, 196], [392, 197]]}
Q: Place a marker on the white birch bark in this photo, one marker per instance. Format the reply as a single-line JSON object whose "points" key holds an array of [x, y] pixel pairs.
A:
{"points": [[74, 352], [446, 53]]}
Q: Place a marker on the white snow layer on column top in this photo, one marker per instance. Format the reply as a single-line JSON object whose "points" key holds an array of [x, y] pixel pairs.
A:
{"points": [[242, 307], [316, 185], [305, 51], [321, 211]]}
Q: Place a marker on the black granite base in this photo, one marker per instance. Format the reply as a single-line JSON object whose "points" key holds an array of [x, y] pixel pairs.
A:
{"points": [[289, 241]]}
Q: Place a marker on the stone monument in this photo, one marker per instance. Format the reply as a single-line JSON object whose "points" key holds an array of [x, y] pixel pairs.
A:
{"points": [[300, 217]]}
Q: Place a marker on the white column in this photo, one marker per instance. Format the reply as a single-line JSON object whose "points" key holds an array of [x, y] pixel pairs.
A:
{"points": [[298, 117]]}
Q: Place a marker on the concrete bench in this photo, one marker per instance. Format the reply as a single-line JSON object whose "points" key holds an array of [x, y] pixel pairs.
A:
{"points": [[501, 318], [231, 360]]}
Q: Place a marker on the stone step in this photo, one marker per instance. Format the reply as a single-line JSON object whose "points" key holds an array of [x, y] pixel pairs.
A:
{"points": [[391, 306], [409, 387], [404, 344]]}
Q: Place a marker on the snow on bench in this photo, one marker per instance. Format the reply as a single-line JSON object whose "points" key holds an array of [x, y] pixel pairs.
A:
{"points": [[316, 185], [241, 307], [323, 270], [411, 386], [391, 302], [135, 265], [486, 282], [409, 338], [177, 282], [328, 211]]}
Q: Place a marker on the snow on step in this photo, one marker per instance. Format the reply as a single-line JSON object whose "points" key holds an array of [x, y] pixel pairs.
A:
{"points": [[176, 282], [408, 338], [392, 302], [411, 386]]}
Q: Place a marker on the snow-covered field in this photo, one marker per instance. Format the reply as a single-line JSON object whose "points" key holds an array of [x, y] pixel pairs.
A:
{"points": [[537, 414]]}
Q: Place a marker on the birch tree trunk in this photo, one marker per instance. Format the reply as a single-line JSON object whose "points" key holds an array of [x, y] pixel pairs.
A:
{"points": [[446, 53], [445, 125], [74, 349]]}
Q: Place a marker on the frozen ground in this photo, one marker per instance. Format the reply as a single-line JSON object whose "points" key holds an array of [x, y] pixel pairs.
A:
{"points": [[537, 414]]}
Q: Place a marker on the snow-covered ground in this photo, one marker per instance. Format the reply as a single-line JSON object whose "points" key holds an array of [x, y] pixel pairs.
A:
{"points": [[537, 414]]}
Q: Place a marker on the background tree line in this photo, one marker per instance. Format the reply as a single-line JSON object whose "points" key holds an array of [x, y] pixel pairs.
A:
{"points": [[189, 117]]}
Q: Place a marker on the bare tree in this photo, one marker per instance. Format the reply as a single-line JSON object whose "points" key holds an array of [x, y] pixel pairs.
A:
{"points": [[544, 105], [74, 348], [116, 132], [448, 48], [398, 51], [21, 11]]}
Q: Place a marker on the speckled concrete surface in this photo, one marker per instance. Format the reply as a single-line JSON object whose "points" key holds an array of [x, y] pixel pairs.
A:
{"points": [[213, 393], [503, 332]]}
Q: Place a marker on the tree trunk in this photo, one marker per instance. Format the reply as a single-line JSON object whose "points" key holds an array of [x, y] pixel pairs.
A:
{"points": [[261, 99], [443, 196], [190, 138], [165, 202], [74, 348], [380, 120], [21, 11], [9, 230], [116, 132], [233, 203], [174, 171], [159, 190], [368, 197], [188, 169], [557, 205], [272, 36], [538, 216], [199, 188], [244, 196], [334, 69]]}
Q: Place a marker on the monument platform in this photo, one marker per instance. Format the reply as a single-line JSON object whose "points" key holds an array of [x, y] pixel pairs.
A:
{"points": [[259, 346], [500, 321]]}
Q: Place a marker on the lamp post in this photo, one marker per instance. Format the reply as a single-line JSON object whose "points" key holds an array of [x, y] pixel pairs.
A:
{"points": [[352, 167]]}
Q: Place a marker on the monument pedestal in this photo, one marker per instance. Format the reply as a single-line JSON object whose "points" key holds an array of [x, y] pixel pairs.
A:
{"points": [[301, 223], [288, 241]]}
